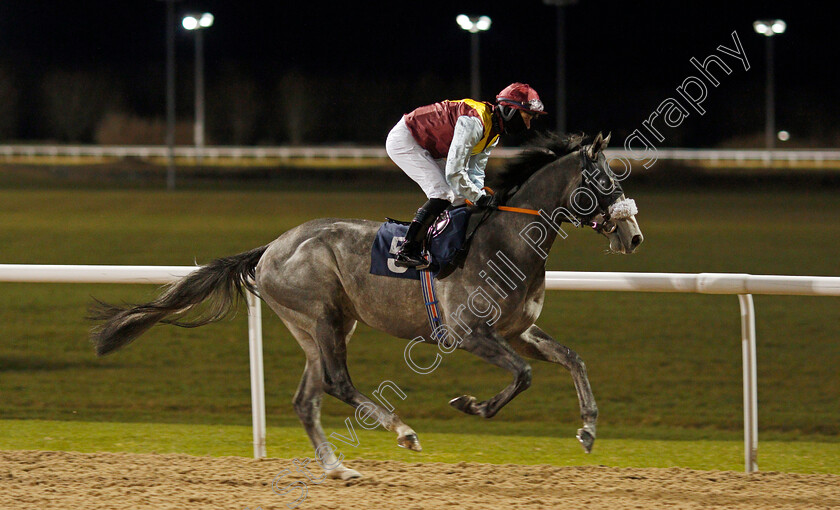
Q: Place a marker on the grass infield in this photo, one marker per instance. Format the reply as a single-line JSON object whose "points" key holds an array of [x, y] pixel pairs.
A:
{"points": [[662, 366], [290, 442]]}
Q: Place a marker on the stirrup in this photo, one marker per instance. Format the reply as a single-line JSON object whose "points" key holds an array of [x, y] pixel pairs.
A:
{"points": [[418, 262]]}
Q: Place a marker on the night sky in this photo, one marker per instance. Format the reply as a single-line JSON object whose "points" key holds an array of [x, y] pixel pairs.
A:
{"points": [[623, 58]]}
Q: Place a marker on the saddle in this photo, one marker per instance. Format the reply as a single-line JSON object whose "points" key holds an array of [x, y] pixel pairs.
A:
{"points": [[446, 240], [457, 260]]}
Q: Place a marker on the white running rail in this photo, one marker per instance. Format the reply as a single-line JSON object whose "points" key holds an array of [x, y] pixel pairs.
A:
{"points": [[744, 285], [157, 275], [818, 157]]}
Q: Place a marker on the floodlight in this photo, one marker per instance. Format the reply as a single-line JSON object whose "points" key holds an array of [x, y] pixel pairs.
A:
{"points": [[483, 23], [769, 27], [473, 24], [190, 22]]}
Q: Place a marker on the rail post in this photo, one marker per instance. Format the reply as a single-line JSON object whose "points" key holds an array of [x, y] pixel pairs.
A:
{"points": [[257, 390], [750, 383]]}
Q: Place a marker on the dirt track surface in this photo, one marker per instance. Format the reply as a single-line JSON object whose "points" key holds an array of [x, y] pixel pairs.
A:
{"points": [[64, 480]]}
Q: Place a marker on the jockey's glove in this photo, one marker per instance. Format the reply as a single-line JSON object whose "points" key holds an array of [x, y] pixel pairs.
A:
{"points": [[487, 201]]}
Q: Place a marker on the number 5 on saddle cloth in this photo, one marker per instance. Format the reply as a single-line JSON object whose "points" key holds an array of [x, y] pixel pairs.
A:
{"points": [[446, 237]]}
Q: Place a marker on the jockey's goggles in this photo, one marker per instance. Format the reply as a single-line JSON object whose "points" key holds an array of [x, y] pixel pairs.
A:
{"points": [[534, 106]]}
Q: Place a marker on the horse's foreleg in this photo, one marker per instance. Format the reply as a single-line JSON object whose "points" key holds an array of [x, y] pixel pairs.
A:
{"points": [[537, 344], [494, 349]]}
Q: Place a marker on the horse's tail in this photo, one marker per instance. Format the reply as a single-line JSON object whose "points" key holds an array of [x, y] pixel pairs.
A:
{"points": [[220, 284]]}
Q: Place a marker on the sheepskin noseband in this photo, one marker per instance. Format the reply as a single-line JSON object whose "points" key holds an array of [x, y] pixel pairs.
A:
{"points": [[623, 209]]}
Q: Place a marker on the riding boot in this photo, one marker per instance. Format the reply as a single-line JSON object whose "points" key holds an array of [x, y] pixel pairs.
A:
{"points": [[410, 254]]}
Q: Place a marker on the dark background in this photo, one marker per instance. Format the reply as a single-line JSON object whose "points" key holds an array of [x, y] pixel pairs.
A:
{"points": [[327, 72]]}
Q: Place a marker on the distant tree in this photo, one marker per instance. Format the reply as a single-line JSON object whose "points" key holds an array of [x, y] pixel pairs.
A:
{"points": [[365, 107], [118, 128], [359, 108], [74, 102], [429, 88], [8, 104], [234, 107], [298, 105]]}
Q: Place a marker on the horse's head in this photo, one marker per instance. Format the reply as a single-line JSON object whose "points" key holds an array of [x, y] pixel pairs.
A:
{"points": [[590, 191], [602, 203]]}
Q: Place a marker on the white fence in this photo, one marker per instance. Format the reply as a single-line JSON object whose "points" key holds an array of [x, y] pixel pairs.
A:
{"points": [[817, 157], [744, 285], [158, 275]]}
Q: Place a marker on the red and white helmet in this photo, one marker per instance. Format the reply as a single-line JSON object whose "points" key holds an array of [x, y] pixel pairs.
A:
{"points": [[519, 96]]}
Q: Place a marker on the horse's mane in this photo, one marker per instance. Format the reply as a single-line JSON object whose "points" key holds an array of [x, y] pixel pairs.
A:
{"points": [[542, 150]]}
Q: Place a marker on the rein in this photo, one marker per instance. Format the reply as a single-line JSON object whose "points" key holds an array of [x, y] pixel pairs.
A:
{"points": [[507, 208], [605, 225], [518, 210]]}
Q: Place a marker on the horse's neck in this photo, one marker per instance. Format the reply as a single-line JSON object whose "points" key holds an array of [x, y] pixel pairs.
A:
{"points": [[549, 187], [546, 190]]}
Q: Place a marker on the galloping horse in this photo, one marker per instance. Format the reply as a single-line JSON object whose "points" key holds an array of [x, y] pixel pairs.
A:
{"points": [[316, 278]]}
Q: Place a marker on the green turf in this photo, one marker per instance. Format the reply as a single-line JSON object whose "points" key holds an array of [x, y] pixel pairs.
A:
{"points": [[289, 442], [661, 365]]}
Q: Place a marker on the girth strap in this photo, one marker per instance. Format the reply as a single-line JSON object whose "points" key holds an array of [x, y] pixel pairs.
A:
{"points": [[427, 283]]}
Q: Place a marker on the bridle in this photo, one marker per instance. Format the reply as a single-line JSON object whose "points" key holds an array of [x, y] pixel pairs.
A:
{"points": [[599, 219]]}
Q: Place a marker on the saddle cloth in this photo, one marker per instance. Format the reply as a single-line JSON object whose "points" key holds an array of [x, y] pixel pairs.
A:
{"points": [[447, 236]]}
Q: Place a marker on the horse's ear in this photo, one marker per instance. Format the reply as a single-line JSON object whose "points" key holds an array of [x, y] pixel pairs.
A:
{"points": [[607, 139], [595, 148]]}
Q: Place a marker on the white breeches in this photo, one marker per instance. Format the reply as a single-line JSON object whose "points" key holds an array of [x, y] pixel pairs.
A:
{"points": [[418, 164]]}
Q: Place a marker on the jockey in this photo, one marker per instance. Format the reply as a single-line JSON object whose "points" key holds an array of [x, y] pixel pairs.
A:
{"points": [[444, 148]]}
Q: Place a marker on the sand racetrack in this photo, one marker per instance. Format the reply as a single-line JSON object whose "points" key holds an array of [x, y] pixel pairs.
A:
{"points": [[65, 480]]}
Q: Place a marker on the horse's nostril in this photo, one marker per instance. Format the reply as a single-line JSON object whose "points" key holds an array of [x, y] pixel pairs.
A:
{"points": [[636, 241]]}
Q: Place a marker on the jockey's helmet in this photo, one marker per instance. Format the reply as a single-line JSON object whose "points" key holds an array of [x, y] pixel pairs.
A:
{"points": [[518, 96]]}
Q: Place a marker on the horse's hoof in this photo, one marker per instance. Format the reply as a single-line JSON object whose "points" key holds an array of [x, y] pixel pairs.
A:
{"points": [[586, 438], [465, 404], [410, 442], [342, 473]]}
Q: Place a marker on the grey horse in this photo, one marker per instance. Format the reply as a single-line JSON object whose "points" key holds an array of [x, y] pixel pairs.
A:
{"points": [[316, 278]]}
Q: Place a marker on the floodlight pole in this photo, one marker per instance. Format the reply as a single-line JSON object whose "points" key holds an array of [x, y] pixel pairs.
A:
{"points": [[561, 62], [198, 131], [474, 25], [198, 23], [769, 28], [561, 69], [770, 99], [475, 76], [170, 94]]}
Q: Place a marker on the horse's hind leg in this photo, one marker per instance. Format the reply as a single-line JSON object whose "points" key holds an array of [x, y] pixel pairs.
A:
{"points": [[293, 277], [537, 344], [307, 404], [338, 384]]}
